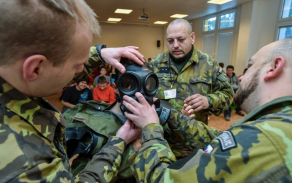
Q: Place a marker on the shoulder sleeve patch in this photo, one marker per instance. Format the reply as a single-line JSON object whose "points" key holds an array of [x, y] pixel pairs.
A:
{"points": [[227, 140]]}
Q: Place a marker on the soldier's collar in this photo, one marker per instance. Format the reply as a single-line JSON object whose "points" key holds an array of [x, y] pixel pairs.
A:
{"points": [[43, 120], [276, 105]]}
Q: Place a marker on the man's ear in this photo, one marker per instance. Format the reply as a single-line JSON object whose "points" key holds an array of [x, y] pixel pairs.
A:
{"points": [[193, 36], [32, 66], [276, 68]]}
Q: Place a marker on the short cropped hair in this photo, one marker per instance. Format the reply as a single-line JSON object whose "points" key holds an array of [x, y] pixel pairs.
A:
{"points": [[221, 64], [101, 80], [230, 67], [83, 79], [102, 67], [45, 27]]}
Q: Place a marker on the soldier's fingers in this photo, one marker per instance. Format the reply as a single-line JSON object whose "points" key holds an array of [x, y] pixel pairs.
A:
{"points": [[130, 101], [188, 108], [198, 108], [190, 111], [194, 101], [134, 55], [130, 107], [128, 124], [195, 105], [190, 98], [141, 99], [131, 117]]}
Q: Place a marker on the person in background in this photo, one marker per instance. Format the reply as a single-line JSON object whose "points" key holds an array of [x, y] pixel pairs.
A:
{"points": [[221, 64], [75, 94], [49, 42], [244, 71], [102, 72], [234, 82], [254, 149], [149, 60], [91, 80], [104, 91]]}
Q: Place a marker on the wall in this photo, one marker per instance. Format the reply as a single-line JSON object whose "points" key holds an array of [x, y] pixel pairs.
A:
{"points": [[242, 42], [143, 37], [257, 27], [198, 29], [263, 24]]}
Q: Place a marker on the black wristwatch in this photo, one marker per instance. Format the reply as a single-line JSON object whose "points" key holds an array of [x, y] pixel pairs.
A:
{"points": [[98, 48]]}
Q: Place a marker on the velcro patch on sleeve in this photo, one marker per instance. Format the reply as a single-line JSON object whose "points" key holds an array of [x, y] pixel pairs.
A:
{"points": [[227, 140]]}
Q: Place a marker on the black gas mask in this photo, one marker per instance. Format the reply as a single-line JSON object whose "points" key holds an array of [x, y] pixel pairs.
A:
{"points": [[141, 79], [137, 79]]}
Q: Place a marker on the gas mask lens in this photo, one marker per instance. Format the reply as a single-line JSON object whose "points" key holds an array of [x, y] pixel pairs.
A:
{"points": [[129, 83], [150, 84]]}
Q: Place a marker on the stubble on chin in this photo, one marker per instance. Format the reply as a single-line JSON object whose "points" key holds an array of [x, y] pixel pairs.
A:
{"points": [[247, 97]]}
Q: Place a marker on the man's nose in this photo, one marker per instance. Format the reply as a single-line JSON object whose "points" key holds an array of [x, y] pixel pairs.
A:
{"points": [[175, 44]]}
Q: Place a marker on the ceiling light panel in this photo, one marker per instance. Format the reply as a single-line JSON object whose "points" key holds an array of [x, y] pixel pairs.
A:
{"points": [[160, 22], [114, 19], [178, 16], [123, 11], [219, 1]]}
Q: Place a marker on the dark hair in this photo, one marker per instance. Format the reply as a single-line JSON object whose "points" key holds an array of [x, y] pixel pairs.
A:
{"points": [[83, 79], [230, 67], [221, 64], [244, 71], [102, 67], [101, 80]]}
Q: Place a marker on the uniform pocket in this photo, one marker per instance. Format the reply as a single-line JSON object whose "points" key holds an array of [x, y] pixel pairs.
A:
{"points": [[200, 85]]}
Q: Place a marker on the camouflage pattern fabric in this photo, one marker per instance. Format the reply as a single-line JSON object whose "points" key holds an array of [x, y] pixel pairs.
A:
{"points": [[32, 139], [200, 75], [103, 166], [97, 115], [255, 149], [32, 144]]}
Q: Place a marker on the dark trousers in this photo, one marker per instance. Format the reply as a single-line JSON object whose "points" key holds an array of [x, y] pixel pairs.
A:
{"points": [[227, 112]]}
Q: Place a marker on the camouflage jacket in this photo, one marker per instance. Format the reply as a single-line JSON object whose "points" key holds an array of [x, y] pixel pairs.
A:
{"points": [[256, 149], [200, 75], [32, 134]]}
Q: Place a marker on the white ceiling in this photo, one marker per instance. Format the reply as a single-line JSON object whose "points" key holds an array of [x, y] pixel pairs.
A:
{"points": [[157, 10]]}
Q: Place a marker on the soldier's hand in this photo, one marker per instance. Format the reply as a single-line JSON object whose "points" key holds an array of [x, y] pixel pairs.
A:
{"points": [[197, 102], [129, 132], [113, 56], [142, 113], [188, 111]]}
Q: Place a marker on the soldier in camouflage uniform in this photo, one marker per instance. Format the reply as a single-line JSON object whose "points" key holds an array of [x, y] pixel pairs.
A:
{"points": [[43, 44], [257, 148], [187, 75]]}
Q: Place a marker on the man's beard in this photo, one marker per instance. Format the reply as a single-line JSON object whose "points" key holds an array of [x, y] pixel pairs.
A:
{"points": [[243, 93]]}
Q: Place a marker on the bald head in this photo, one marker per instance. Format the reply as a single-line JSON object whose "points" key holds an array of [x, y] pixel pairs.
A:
{"points": [[181, 22], [281, 48], [180, 38], [268, 76]]}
